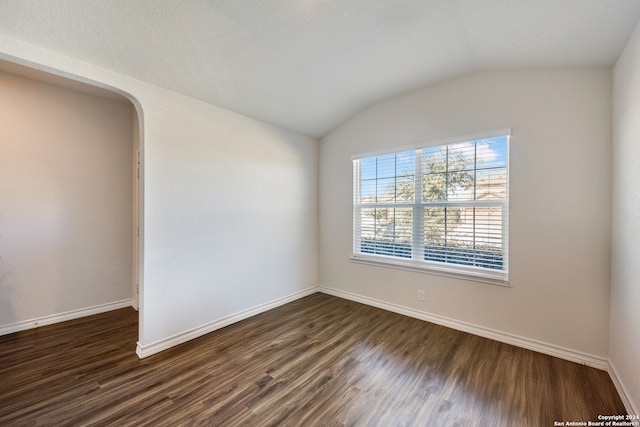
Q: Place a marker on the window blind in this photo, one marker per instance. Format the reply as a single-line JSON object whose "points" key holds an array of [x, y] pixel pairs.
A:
{"points": [[442, 206]]}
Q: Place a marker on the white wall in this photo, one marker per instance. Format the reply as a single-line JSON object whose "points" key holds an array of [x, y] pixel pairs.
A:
{"points": [[625, 267], [230, 214], [65, 197], [559, 206], [229, 203]]}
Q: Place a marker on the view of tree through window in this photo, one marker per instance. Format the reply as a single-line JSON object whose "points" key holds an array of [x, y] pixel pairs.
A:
{"points": [[442, 204]]}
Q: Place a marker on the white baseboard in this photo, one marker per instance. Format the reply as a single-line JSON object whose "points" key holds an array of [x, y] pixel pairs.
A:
{"points": [[622, 391], [62, 317], [149, 349], [518, 341]]}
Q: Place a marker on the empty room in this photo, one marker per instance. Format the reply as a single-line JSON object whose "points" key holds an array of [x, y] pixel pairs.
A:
{"points": [[320, 213]]}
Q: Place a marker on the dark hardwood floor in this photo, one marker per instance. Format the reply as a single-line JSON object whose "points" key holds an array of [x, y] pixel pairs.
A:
{"points": [[318, 361]]}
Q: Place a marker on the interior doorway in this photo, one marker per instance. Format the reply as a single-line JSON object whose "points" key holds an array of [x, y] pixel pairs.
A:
{"points": [[71, 191]]}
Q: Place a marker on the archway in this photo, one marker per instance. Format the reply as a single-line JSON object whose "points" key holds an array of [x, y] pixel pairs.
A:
{"points": [[55, 210]]}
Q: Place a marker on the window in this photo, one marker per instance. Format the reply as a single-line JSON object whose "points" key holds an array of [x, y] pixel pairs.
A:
{"points": [[440, 208]]}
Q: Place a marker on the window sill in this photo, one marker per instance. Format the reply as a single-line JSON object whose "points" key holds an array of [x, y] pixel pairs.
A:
{"points": [[483, 276]]}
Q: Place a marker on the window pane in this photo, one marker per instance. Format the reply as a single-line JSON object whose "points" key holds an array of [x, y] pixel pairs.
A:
{"points": [[406, 163], [434, 187], [368, 168], [470, 236], [368, 191], [434, 235], [367, 223], [489, 239], [491, 184], [434, 226], [461, 157], [384, 224], [434, 159], [460, 228], [386, 190], [405, 189], [387, 179], [460, 186], [488, 223], [460, 236], [386, 166], [403, 226], [491, 153], [386, 231]]}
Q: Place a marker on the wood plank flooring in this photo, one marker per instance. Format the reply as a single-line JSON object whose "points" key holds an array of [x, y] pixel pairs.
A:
{"points": [[318, 361]]}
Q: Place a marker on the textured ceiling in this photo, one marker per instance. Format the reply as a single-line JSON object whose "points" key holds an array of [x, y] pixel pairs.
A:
{"points": [[308, 65]]}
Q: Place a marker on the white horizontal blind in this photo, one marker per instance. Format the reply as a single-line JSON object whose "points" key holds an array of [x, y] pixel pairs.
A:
{"points": [[438, 205]]}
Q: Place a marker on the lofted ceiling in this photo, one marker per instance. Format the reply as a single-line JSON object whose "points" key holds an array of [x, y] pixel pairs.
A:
{"points": [[308, 65]]}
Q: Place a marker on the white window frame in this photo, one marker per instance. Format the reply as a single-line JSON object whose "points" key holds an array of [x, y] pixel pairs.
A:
{"points": [[416, 262]]}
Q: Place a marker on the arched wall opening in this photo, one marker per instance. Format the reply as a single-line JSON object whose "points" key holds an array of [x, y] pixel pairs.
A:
{"points": [[71, 230]]}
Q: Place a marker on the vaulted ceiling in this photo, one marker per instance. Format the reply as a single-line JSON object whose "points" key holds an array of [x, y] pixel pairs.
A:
{"points": [[308, 65]]}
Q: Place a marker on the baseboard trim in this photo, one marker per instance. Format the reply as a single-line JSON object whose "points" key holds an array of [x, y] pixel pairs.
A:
{"points": [[518, 341], [62, 317], [147, 350], [622, 391]]}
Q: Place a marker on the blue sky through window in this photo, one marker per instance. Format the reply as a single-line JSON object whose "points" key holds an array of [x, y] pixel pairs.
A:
{"points": [[380, 171], [377, 174]]}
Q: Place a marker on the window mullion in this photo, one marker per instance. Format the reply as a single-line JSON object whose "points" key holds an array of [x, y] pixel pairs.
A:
{"points": [[417, 234], [446, 198], [475, 194]]}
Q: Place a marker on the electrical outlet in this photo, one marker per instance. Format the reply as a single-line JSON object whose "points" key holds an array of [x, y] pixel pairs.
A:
{"points": [[422, 295]]}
